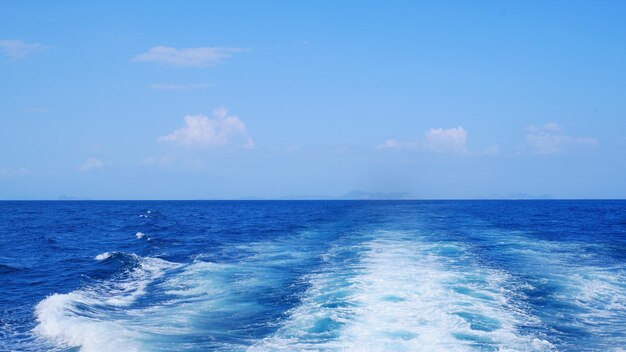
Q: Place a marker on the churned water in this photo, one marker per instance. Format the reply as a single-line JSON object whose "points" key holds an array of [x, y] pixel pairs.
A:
{"points": [[313, 276]]}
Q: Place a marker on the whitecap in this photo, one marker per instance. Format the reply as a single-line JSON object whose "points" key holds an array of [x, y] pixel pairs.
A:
{"points": [[103, 256], [95, 318]]}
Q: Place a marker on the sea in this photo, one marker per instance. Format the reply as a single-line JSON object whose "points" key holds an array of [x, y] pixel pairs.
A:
{"points": [[489, 275]]}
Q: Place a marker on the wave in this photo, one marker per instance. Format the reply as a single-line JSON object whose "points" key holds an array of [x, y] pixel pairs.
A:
{"points": [[7, 269], [103, 256], [126, 258], [574, 286], [182, 301], [92, 318], [150, 214]]}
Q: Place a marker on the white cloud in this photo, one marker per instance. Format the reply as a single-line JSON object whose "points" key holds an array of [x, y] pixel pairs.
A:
{"points": [[4, 172], [389, 144], [548, 139], [491, 150], [190, 57], [17, 49], [435, 139], [91, 164], [446, 140], [162, 160], [170, 86], [202, 131]]}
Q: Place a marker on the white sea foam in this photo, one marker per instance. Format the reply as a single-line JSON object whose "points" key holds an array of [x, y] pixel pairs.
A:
{"points": [[198, 297], [96, 318], [600, 298], [60, 321], [147, 214], [140, 235], [409, 299], [405, 296], [103, 256], [594, 294]]}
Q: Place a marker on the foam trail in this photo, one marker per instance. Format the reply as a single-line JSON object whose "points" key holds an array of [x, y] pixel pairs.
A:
{"points": [[582, 292], [408, 298], [95, 318], [204, 297], [405, 295]]}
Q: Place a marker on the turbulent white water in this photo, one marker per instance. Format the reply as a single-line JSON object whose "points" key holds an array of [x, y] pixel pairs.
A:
{"points": [[96, 318], [371, 291], [405, 295], [196, 300]]}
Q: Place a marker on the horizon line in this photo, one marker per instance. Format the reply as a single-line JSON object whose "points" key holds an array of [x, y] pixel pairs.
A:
{"points": [[309, 199]]}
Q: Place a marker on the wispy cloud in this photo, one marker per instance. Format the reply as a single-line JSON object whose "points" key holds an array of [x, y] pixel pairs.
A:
{"points": [[18, 50], [187, 57], [162, 160], [549, 139], [202, 131], [446, 140], [4, 172], [440, 140], [450, 140], [491, 150], [390, 144], [91, 164], [170, 86]]}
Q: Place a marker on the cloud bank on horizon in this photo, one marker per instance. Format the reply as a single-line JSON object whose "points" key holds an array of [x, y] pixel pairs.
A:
{"points": [[543, 140], [431, 103], [549, 139]]}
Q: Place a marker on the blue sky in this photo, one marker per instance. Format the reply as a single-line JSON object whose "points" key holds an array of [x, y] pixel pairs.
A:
{"points": [[214, 100]]}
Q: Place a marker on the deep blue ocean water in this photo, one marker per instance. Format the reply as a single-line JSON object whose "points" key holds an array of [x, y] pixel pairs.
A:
{"points": [[313, 275]]}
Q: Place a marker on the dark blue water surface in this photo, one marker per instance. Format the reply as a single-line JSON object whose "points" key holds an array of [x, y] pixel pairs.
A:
{"points": [[313, 275]]}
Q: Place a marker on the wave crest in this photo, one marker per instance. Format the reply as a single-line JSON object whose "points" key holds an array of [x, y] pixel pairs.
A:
{"points": [[90, 318]]}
